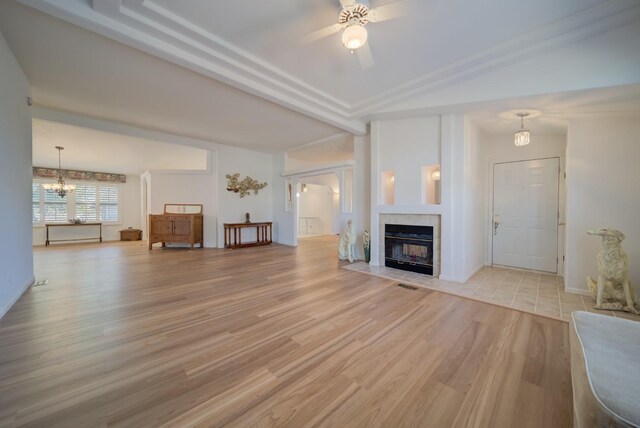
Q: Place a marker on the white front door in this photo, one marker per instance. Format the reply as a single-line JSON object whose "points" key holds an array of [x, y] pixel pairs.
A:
{"points": [[525, 214]]}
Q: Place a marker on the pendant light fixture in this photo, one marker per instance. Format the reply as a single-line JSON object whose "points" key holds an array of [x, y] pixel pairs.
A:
{"points": [[521, 137], [61, 188]]}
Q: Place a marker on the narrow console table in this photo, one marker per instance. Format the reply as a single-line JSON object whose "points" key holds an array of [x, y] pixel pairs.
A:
{"points": [[98, 225], [233, 234]]}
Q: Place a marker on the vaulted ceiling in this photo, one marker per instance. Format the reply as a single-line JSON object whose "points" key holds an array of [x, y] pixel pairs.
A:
{"points": [[240, 72]]}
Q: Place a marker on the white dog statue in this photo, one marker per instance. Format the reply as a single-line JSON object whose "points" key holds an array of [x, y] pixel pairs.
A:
{"points": [[347, 243], [612, 290]]}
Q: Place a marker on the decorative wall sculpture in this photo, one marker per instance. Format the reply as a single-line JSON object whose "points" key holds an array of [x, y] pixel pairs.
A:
{"points": [[244, 186]]}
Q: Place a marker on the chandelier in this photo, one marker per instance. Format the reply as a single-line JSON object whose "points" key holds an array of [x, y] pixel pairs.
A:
{"points": [[61, 188], [521, 137]]}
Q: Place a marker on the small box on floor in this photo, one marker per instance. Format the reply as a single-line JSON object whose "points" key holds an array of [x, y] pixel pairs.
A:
{"points": [[130, 234]]}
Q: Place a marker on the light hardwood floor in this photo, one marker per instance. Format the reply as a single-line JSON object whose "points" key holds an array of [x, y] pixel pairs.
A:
{"points": [[528, 291], [266, 336]]}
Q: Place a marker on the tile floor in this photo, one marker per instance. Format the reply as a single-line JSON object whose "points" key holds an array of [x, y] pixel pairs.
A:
{"points": [[532, 292]]}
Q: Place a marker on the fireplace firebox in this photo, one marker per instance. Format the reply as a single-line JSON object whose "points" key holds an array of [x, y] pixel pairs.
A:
{"points": [[409, 248]]}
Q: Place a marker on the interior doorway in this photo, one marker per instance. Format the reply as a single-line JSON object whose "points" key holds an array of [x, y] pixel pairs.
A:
{"points": [[317, 200], [525, 214]]}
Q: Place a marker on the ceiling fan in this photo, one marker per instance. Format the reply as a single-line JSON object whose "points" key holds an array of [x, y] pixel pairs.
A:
{"points": [[353, 18]]}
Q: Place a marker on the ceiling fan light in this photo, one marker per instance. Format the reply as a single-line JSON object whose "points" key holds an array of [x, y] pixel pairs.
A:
{"points": [[354, 36]]}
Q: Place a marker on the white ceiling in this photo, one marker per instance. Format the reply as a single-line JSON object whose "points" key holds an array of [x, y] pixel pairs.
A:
{"points": [[92, 150], [235, 72], [75, 70], [435, 34], [554, 111]]}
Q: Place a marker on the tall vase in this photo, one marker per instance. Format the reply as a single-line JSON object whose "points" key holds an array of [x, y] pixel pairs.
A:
{"points": [[367, 254]]}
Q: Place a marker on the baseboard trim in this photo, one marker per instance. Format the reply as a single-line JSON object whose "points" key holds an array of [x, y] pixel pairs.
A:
{"points": [[478, 269], [580, 291], [285, 244], [451, 278], [5, 309], [462, 279]]}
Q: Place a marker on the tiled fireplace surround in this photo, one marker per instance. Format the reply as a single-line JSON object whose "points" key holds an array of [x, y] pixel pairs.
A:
{"points": [[412, 220]]}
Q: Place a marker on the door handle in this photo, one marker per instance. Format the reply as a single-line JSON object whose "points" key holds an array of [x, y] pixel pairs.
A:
{"points": [[496, 223]]}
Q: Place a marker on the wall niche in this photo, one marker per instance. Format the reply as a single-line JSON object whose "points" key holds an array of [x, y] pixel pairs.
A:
{"points": [[387, 187], [431, 184]]}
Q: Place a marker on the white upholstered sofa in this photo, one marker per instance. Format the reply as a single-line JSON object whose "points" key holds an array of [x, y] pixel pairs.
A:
{"points": [[605, 370]]}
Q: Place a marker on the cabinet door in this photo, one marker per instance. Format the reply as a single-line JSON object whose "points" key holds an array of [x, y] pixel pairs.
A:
{"points": [[182, 226], [161, 226]]}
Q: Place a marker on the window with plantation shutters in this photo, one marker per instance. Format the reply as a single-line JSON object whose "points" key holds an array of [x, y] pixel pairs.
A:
{"points": [[86, 203], [36, 213], [108, 203], [89, 202], [55, 208]]}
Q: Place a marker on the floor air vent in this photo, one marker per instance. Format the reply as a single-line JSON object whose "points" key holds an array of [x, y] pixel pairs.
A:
{"points": [[408, 287]]}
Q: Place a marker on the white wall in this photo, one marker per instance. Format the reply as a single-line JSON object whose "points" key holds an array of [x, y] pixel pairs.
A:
{"points": [[452, 181], [500, 148], [209, 188], [232, 207], [130, 208], [362, 191], [283, 221], [603, 182], [16, 258], [335, 211], [406, 146], [128, 212], [166, 187], [403, 147], [475, 177]]}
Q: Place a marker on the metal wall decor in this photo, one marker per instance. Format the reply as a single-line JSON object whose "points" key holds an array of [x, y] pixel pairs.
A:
{"points": [[245, 186]]}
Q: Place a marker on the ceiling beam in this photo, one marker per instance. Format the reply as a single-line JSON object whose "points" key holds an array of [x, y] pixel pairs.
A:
{"points": [[186, 45]]}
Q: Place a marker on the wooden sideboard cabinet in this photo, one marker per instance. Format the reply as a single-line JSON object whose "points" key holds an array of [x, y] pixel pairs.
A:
{"points": [[180, 224]]}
